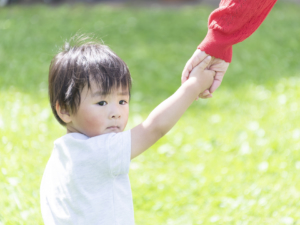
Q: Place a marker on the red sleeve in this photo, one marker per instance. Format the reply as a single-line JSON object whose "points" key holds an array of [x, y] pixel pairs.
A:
{"points": [[231, 23]]}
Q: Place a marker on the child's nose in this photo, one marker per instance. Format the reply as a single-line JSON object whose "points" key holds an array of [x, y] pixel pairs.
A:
{"points": [[115, 113], [115, 116]]}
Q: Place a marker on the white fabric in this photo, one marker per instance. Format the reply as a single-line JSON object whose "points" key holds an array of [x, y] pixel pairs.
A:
{"points": [[86, 181]]}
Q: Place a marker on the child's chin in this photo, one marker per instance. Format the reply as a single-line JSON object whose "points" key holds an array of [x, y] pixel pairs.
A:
{"points": [[107, 131], [113, 131], [94, 134]]}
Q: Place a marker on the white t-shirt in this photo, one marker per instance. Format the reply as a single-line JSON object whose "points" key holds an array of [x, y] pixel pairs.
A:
{"points": [[86, 181]]}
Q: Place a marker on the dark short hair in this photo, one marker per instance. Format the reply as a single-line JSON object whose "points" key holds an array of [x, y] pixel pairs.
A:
{"points": [[79, 64]]}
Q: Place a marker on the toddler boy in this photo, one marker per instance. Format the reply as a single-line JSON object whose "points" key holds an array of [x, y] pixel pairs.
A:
{"points": [[86, 178]]}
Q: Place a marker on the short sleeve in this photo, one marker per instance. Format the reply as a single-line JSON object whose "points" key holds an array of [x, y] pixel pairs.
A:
{"points": [[119, 152]]}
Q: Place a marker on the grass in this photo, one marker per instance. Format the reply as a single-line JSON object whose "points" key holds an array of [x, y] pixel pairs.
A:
{"points": [[233, 159]]}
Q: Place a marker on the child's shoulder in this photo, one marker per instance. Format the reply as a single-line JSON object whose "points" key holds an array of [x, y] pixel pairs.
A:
{"points": [[71, 137]]}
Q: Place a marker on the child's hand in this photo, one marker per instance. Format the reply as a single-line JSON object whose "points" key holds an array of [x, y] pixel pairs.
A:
{"points": [[218, 65], [203, 76]]}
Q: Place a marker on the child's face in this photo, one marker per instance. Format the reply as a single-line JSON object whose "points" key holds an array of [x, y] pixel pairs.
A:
{"points": [[100, 114]]}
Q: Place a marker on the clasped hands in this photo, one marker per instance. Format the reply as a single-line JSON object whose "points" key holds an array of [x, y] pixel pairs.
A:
{"points": [[218, 65]]}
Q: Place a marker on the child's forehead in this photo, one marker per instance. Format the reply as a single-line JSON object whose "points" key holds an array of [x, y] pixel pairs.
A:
{"points": [[97, 90]]}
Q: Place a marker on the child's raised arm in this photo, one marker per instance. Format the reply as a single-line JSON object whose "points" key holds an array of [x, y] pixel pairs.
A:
{"points": [[166, 114]]}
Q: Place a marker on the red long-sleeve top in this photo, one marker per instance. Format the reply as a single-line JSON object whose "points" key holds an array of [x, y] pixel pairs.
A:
{"points": [[231, 23]]}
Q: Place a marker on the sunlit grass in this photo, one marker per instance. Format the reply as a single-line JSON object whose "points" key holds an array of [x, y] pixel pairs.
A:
{"points": [[233, 159]]}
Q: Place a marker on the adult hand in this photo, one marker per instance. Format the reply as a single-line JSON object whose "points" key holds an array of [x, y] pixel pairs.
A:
{"points": [[218, 65]]}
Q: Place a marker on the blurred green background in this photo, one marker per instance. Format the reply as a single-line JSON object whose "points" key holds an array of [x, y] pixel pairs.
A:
{"points": [[232, 159]]}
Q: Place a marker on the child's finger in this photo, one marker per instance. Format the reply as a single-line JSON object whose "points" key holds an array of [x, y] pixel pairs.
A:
{"points": [[196, 58], [204, 63], [205, 93], [211, 73], [205, 97]]}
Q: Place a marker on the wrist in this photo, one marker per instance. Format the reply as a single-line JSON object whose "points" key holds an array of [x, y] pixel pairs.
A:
{"points": [[193, 86]]}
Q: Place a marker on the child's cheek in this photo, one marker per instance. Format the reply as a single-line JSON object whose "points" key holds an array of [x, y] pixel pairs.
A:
{"points": [[93, 122]]}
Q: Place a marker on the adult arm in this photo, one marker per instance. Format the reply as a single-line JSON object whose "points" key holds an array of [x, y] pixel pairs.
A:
{"points": [[231, 23]]}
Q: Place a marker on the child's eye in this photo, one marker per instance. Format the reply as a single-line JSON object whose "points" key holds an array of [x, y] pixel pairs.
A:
{"points": [[102, 103], [122, 102]]}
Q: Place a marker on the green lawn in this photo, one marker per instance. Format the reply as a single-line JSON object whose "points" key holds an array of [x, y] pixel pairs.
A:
{"points": [[232, 159]]}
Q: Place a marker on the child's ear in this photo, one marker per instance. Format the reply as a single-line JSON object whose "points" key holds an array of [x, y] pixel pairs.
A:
{"points": [[63, 114]]}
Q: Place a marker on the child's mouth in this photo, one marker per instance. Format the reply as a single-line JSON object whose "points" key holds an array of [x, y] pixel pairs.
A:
{"points": [[113, 127]]}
